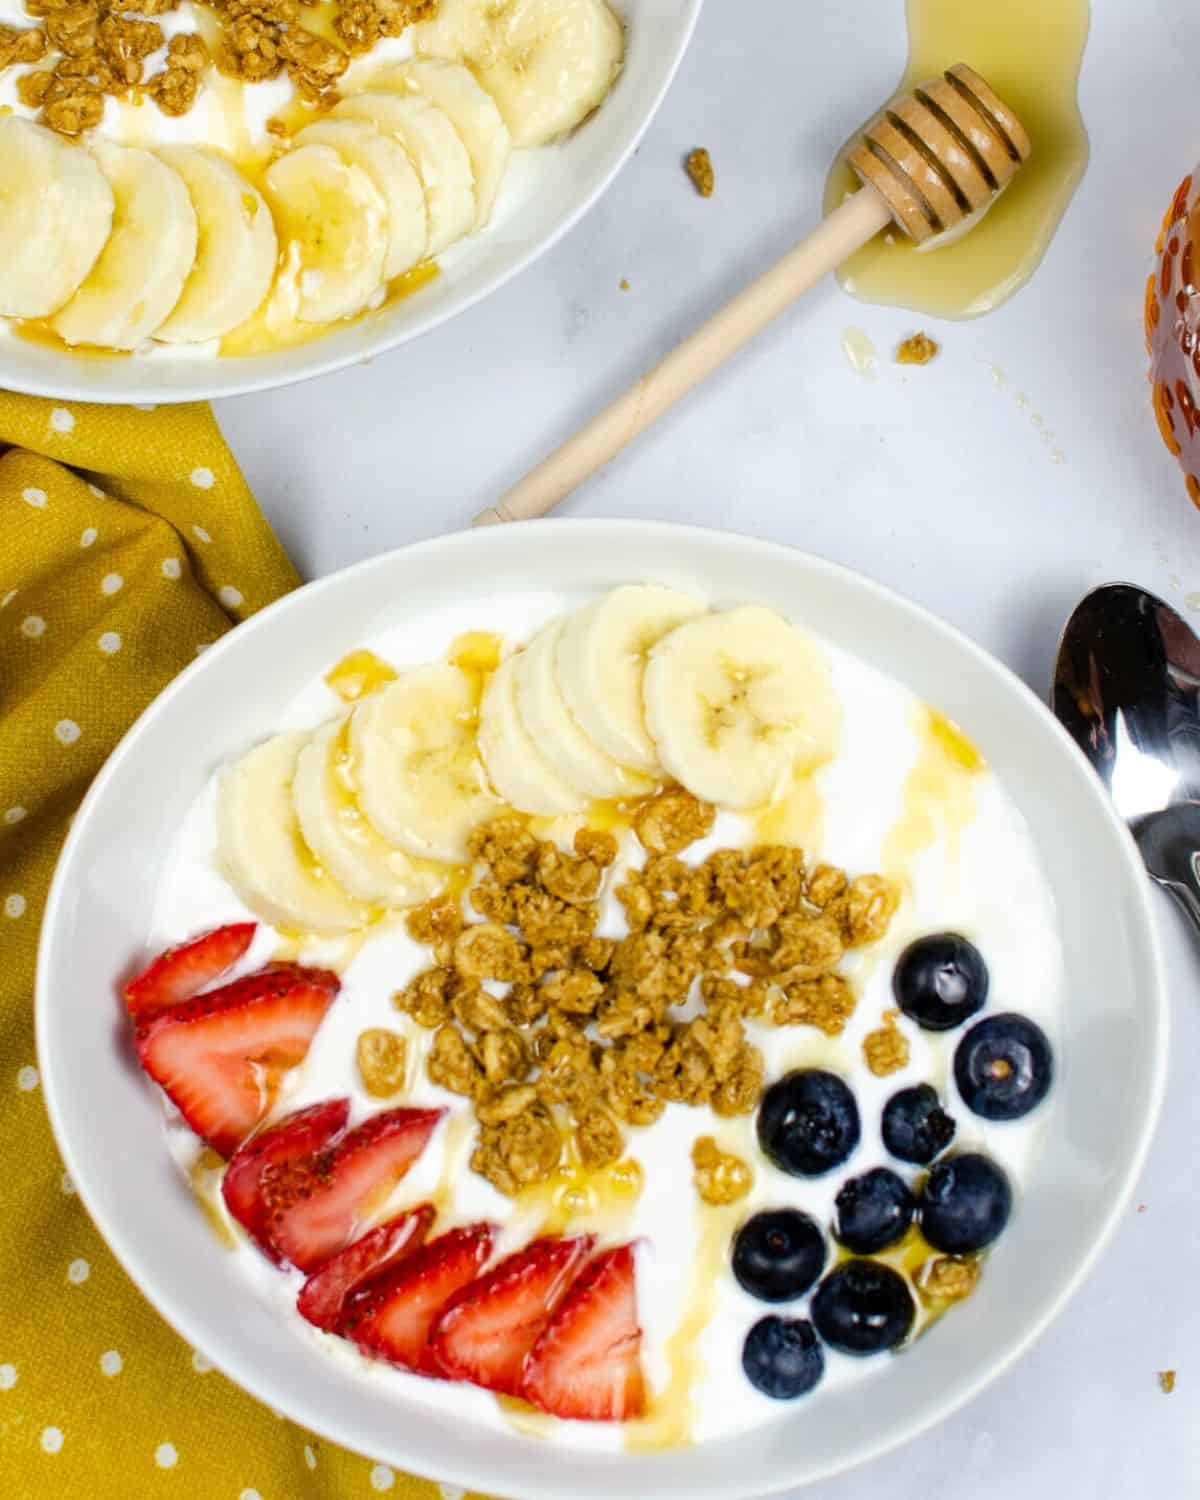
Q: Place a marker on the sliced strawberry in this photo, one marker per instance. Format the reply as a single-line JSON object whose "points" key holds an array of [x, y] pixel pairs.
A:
{"points": [[316, 1206], [219, 1056], [486, 1330], [324, 1296], [295, 1138], [392, 1317], [183, 971], [587, 1363]]}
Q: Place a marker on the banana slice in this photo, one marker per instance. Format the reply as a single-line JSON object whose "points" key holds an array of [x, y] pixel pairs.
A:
{"points": [[437, 152], [56, 213], [601, 660], [547, 63], [236, 252], [450, 87], [333, 231], [335, 830], [140, 273], [387, 164], [737, 701], [260, 847], [552, 728], [420, 780], [518, 771]]}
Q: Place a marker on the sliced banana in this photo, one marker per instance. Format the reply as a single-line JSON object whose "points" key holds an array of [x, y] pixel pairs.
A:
{"points": [[56, 213], [262, 851], [364, 864], [547, 63], [421, 782], [553, 729], [140, 273], [736, 701], [236, 250], [518, 770], [387, 164], [333, 231], [473, 113], [437, 152], [601, 660]]}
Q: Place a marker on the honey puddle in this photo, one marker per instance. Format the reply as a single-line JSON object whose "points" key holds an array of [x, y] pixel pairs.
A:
{"points": [[1030, 51], [939, 796], [359, 673], [204, 1179]]}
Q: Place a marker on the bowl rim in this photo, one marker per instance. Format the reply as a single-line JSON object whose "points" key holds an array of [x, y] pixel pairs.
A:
{"points": [[71, 387], [463, 1472]]}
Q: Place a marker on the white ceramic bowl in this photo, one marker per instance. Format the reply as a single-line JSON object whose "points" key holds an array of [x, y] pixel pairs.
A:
{"points": [[545, 193], [108, 1121]]}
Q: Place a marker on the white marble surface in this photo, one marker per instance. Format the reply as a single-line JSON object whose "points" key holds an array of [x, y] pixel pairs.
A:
{"points": [[936, 481]]}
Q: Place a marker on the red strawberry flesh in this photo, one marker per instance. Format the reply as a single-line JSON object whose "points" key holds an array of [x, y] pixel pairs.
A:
{"points": [[292, 1139], [325, 1295], [316, 1206], [587, 1362], [219, 1057], [392, 1317], [187, 968], [488, 1328]]}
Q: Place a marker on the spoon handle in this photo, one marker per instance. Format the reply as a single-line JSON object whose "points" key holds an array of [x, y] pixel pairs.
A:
{"points": [[1170, 845]]}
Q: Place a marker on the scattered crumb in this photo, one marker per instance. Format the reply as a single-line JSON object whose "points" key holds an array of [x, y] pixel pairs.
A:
{"points": [[886, 1050], [624, 284], [1141, 1208], [1166, 1381], [918, 350], [700, 170]]}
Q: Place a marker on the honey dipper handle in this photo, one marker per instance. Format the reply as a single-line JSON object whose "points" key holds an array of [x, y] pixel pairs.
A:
{"points": [[845, 230]]}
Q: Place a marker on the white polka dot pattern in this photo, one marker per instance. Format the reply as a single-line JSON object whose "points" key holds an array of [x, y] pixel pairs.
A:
{"points": [[27, 1080], [33, 626], [52, 1439], [110, 1363], [14, 905], [109, 642], [112, 583], [78, 1272], [87, 536], [62, 420], [66, 731], [382, 1478], [166, 1456], [230, 597], [203, 479], [35, 497]]}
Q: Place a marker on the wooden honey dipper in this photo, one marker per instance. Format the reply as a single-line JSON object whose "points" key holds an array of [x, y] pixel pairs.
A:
{"points": [[929, 163]]}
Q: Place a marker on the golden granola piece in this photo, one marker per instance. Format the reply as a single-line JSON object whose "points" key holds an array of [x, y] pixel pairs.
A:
{"points": [[886, 1049], [658, 966], [32, 88], [547, 960], [437, 924], [382, 1057], [573, 878], [493, 901], [69, 105], [575, 990], [597, 954], [871, 904], [518, 1143], [313, 64], [741, 1088], [918, 350], [826, 1003], [637, 901], [720, 1176], [749, 1000], [569, 1075], [598, 1138], [21, 45], [250, 50], [174, 90], [1166, 1381], [524, 1004], [473, 1007], [453, 1065], [546, 920], [504, 1056], [361, 23], [125, 43], [427, 998], [826, 885], [74, 29], [597, 845], [700, 170], [806, 947], [943, 1279], [487, 950], [508, 849], [671, 820]]}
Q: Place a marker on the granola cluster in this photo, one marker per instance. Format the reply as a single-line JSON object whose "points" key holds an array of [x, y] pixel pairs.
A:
{"points": [[561, 1037], [94, 48]]}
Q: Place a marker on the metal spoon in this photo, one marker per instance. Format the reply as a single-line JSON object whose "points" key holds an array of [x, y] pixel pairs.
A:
{"points": [[1127, 688]]}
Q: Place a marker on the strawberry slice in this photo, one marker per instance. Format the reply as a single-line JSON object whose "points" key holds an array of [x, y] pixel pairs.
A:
{"points": [[295, 1138], [587, 1363], [317, 1205], [219, 1056], [325, 1294], [392, 1317], [485, 1331], [183, 971]]}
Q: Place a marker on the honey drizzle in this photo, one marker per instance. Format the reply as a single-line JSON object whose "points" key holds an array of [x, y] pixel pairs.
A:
{"points": [[1030, 52], [939, 795], [204, 1179], [359, 673]]}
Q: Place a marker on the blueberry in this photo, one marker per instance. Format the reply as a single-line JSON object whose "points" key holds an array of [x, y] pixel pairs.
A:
{"points": [[777, 1255], [873, 1211], [1003, 1067], [965, 1203], [915, 1126], [940, 981], [863, 1308], [808, 1122], [782, 1358]]}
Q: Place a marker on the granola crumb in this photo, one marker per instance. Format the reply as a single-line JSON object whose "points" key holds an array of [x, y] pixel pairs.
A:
{"points": [[918, 350], [944, 1279], [700, 170], [671, 820], [382, 1061], [624, 283], [1166, 1381], [886, 1049], [720, 1176]]}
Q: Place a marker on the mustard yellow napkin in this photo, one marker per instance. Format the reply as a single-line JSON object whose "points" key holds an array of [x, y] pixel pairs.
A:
{"points": [[128, 542]]}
